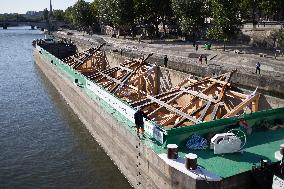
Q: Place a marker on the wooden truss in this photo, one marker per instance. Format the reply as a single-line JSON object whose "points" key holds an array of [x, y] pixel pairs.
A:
{"points": [[131, 80], [89, 60], [191, 102], [196, 101]]}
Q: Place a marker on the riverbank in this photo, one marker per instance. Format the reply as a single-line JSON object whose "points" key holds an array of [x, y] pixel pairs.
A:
{"points": [[183, 57]]}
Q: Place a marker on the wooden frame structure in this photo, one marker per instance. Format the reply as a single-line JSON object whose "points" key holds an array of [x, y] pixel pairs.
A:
{"points": [[88, 60], [196, 101], [191, 102], [131, 80]]}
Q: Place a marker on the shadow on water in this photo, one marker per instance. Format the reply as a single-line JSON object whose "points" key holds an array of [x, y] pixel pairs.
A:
{"points": [[103, 173]]}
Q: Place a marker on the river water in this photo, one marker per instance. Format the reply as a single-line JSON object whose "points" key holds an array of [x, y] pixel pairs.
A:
{"points": [[42, 143]]}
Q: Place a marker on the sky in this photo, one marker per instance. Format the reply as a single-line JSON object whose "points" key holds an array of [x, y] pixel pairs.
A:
{"points": [[22, 6]]}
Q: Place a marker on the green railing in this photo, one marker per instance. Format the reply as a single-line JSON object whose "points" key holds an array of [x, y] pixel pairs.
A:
{"points": [[255, 120], [70, 72]]}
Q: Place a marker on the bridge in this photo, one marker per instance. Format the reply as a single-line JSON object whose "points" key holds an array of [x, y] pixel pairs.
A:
{"points": [[40, 24]]}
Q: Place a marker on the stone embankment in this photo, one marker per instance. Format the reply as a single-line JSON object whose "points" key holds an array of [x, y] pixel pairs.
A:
{"points": [[183, 57]]}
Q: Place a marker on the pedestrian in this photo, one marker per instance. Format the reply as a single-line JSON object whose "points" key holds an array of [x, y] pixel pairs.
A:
{"points": [[257, 67], [196, 47], [166, 61], [139, 122], [205, 59], [200, 59]]}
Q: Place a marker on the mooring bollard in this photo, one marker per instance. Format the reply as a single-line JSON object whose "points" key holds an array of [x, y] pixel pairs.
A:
{"points": [[263, 163], [172, 151], [282, 149], [76, 81], [191, 161]]}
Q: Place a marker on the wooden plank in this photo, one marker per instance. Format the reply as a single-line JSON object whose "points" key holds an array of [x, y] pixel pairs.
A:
{"points": [[80, 61], [255, 104], [108, 71], [170, 108], [156, 96], [169, 101], [110, 78], [124, 68], [204, 111], [191, 103], [241, 106], [241, 95], [220, 82], [200, 95], [191, 114], [125, 79], [146, 101], [214, 112], [156, 79]]}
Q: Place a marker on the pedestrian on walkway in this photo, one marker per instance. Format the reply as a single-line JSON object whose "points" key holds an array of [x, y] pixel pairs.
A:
{"points": [[200, 59], [257, 67], [205, 59], [196, 47], [166, 61], [139, 122]]}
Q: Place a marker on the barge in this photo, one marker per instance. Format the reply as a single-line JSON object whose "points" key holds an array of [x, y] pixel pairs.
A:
{"points": [[105, 92]]}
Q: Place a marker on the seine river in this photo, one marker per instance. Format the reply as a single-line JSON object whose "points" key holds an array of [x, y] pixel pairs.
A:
{"points": [[42, 143]]}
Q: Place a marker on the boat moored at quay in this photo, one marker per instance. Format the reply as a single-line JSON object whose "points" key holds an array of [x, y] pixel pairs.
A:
{"points": [[201, 133]]}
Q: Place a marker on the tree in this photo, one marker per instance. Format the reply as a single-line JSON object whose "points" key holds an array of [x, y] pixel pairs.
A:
{"points": [[273, 9], [190, 14], [68, 15], [81, 15], [45, 14], [151, 13], [247, 9], [94, 14], [280, 39], [58, 15], [226, 19], [116, 13]]}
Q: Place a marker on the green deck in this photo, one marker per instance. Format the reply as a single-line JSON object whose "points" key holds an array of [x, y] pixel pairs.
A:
{"points": [[260, 144]]}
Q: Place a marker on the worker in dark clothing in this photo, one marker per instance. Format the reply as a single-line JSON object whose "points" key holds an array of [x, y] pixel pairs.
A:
{"points": [[257, 67], [205, 59], [166, 61], [139, 122]]}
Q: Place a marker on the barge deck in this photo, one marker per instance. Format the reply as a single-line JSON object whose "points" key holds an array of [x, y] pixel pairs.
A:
{"points": [[220, 169]]}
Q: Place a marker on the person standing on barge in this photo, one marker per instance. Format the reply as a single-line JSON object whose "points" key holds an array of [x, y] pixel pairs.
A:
{"points": [[139, 121]]}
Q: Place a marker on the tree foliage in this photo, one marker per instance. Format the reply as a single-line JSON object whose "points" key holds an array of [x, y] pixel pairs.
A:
{"points": [[190, 14], [117, 13], [45, 14], [81, 14], [152, 13], [226, 19], [58, 15], [280, 39]]}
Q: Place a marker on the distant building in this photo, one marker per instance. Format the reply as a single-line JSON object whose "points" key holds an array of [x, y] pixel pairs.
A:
{"points": [[34, 13]]}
